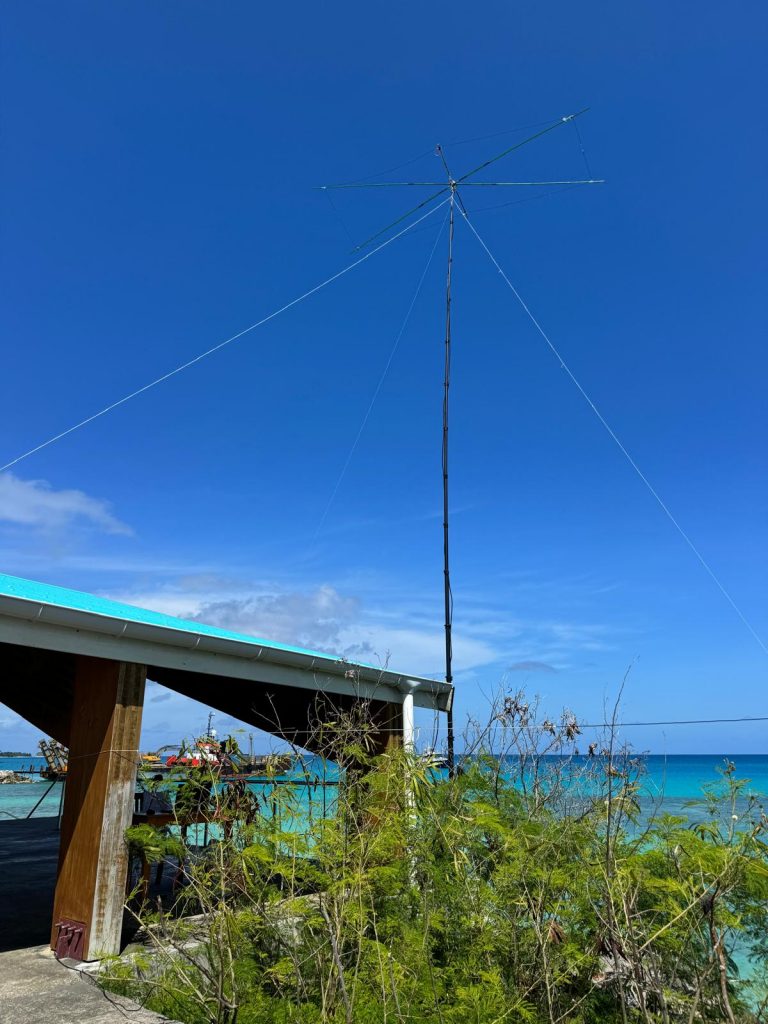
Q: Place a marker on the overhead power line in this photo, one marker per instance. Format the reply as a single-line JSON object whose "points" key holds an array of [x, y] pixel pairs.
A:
{"points": [[220, 345], [681, 721], [664, 507], [587, 725]]}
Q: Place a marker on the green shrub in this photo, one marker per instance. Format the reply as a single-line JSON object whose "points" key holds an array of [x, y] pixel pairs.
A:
{"points": [[530, 888]]}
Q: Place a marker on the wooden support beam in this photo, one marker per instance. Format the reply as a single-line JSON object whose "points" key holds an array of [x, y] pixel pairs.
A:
{"points": [[387, 719], [107, 702]]}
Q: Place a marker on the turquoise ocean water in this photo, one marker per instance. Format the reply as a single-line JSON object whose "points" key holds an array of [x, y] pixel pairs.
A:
{"points": [[43, 799], [17, 800], [669, 784], [669, 781]]}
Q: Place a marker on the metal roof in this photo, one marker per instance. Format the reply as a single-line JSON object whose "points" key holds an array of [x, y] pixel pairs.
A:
{"points": [[39, 615]]}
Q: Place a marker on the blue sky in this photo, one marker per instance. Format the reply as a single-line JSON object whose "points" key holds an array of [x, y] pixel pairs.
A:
{"points": [[158, 197]]}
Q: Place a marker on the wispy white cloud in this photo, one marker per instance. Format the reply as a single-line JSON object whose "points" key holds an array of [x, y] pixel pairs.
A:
{"points": [[318, 618], [322, 618], [356, 523], [38, 505], [378, 621], [531, 666], [419, 649], [402, 629]]}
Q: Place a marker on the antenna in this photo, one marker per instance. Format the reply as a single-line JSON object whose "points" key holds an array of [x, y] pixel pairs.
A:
{"points": [[447, 593], [450, 187]]}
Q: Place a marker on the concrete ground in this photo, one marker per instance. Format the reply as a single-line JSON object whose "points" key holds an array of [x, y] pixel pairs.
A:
{"points": [[36, 989]]}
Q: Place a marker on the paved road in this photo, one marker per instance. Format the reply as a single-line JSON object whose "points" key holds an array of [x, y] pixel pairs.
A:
{"points": [[35, 989]]}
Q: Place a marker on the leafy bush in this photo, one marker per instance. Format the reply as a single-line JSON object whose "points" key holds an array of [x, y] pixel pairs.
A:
{"points": [[529, 888]]}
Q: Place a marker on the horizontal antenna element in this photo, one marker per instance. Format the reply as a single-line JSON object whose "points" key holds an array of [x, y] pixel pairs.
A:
{"points": [[450, 187], [434, 184]]}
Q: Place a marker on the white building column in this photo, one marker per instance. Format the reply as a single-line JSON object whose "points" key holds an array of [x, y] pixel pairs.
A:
{"points": [[409, 732]]}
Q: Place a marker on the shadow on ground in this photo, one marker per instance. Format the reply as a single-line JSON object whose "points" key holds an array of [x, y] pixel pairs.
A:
{"points": [[29, 852]]}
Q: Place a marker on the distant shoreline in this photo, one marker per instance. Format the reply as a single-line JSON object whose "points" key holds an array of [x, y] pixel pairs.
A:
{"points": [[14, 753]]}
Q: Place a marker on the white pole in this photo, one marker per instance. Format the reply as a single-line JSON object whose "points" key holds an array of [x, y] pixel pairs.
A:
{"points": [[409, 740], [408, 727]]}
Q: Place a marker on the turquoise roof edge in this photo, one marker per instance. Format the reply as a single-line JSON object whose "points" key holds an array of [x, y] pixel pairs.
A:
{"points": [[46, 593]]}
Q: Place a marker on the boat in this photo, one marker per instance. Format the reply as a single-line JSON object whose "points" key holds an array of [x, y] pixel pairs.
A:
{"points": [[226, 758], [151, 760], [205, 751], [431, 758]]}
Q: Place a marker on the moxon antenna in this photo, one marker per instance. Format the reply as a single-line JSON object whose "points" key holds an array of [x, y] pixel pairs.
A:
{"points": [[450, 188]]}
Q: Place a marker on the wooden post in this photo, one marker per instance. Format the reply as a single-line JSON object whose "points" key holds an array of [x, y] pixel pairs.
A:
{"points": [[93, 858], [388, 718]]}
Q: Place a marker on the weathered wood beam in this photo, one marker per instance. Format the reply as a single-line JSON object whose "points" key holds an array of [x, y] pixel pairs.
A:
{"points": [[107, 704], [388, 728]]}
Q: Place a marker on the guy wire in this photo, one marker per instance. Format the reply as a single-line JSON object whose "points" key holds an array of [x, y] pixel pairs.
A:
{"points": [[398, 338], [618, 442], [221, 344]]}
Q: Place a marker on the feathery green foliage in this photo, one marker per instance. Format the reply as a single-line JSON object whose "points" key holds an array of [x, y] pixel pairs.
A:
{"points": [[528, 889]]}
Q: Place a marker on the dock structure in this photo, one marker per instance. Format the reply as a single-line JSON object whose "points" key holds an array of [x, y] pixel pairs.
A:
{"points": [[75, 666]]}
